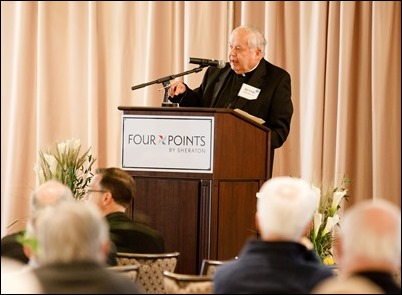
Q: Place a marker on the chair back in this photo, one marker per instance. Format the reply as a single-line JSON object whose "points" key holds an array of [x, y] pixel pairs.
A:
{"points": [[209, 266], [151, 267], [131, 271], [187, 284]]}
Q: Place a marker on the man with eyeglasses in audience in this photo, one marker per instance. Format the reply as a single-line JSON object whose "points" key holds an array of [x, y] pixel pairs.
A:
{"points": [[112, 190]]}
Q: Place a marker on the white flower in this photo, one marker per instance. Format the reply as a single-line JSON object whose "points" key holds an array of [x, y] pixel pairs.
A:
{"points": [[52, 162], [61, 147], [326, 217], [337, 197], [331, 222], [66, 165], [72, 145], [317, 193], [317, 222]]}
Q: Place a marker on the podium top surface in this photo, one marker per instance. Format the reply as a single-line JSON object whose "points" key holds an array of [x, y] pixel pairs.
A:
{"points": [[162, 110]]}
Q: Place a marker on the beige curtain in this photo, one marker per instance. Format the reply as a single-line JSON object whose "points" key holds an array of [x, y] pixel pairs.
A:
{"points": [[67, 66]]}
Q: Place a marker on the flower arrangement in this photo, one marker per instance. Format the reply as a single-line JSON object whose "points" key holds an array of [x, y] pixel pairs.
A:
{"points": [[65, 164], [326, 218]]}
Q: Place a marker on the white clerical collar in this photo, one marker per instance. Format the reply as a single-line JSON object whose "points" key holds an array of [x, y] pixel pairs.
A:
{"points": [[244, 74]]}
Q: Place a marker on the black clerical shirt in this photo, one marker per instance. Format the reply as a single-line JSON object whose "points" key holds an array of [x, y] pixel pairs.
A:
{"points": [[229, 95]]}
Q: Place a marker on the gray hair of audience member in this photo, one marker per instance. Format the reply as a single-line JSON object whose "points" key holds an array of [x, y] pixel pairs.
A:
{"points": [[71, 231], [50, 193], [370, 231], [285, 206], [255, 35]]}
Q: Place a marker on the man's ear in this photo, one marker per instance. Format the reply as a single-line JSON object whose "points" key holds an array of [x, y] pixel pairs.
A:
{"points": [[307, 229], [106, 246], [27, 251], [107, 198], [258, 53]]}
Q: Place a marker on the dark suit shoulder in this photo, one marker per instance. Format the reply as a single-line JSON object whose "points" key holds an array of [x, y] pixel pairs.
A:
{"points": [[135, 237], [11, 248], [83, 278], [274, 68]]}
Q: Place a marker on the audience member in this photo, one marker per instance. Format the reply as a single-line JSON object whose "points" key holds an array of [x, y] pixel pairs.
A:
{"points": [[73, 244], [369, 243], [48, 194], [112, 190], [278, 261]]}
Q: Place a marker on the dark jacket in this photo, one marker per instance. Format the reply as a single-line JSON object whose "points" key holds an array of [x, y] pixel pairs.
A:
{"points": [[133, 237], [83, 278], [273, 104], [271, 268], [11, 248]]}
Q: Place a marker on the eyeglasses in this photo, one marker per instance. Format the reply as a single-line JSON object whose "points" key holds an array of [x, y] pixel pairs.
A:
{"points": [[88, 191]]}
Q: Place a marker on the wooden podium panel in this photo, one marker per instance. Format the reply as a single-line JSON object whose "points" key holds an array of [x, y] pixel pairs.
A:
{"points": [[173, 208], [207, 215], [236, 148], [236, 223]]}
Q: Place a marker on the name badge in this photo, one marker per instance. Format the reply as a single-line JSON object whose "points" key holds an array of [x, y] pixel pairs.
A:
{"points": [[249, 92]]}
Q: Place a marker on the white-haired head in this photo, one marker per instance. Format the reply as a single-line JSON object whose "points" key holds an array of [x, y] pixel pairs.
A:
{"points": [[70, 232], [285, 207]]}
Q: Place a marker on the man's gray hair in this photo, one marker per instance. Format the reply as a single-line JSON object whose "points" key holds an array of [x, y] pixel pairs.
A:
{"points": [[256, 37], [71, 232]]}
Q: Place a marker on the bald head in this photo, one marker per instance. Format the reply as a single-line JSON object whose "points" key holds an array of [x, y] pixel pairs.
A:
{"points": [[370, 233], [50, 193]]}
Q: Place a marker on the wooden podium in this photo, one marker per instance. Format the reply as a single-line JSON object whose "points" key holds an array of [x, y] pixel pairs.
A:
{"points": [[206, 214]]}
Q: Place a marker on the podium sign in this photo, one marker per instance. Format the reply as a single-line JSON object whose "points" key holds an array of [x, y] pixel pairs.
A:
{"points": [[167, 143]]}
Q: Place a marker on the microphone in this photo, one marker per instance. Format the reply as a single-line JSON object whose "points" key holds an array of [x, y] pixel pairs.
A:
{"points": [[208, 62]]}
